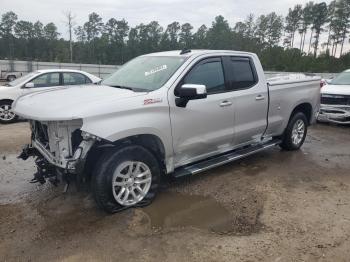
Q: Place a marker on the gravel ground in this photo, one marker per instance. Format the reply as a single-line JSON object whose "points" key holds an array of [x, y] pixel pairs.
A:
{"points": [[273, 206]]}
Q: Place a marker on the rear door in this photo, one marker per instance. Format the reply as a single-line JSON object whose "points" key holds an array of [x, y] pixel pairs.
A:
{"points": [[250, 98]]}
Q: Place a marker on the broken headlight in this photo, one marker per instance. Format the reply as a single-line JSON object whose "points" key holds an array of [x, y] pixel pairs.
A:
{"points": [[88, 136]]}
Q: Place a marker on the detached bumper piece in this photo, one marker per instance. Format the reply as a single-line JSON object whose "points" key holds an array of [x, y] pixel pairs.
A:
{"points": [[337, 115], [44, 169]]}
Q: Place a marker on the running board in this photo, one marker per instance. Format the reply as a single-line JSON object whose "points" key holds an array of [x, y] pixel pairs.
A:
{"points": [[231, 156]]}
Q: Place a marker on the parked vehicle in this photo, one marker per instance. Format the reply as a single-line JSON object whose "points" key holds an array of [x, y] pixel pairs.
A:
{"points": [[9, 76], [176, 113], [335, 100], [37, 81]]}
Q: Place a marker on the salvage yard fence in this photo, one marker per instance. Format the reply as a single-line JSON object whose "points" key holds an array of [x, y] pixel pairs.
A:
{"points": [[99, 70], [25, 67]]}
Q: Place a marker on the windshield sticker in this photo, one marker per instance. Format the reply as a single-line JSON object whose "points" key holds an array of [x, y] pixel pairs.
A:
{"points": [[156, 70]]}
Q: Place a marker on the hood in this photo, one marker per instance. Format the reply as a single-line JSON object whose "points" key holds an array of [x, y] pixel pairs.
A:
{"points": [[336, 89], [70, 103]]}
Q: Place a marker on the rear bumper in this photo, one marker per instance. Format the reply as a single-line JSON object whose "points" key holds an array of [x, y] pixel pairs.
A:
{"points": [[334, 114]]}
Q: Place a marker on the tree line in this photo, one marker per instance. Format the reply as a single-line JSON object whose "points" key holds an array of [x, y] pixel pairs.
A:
{"points": [[310, 38]]}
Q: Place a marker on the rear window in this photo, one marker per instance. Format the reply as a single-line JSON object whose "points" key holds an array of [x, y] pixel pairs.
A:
{"points": [[74, 79], [242, 73]]}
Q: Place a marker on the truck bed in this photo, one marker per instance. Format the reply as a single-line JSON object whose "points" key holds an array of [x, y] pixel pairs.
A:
{"points": [[282, 100]]}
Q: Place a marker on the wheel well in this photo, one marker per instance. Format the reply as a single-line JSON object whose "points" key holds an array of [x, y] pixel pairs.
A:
{"points": [[305, 108], [6, 100], [150, 142]]}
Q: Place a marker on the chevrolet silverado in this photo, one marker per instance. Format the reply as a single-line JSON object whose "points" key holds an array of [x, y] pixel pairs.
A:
{"points": [[170, 113]]}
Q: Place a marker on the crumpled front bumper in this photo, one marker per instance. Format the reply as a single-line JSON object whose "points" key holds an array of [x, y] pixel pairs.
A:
{"points": [[334, 114], [71, 165]]}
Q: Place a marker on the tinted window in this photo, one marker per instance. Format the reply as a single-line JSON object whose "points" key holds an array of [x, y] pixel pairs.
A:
{"points": [[242, 73], [45, 80], [209, 74], [74, 79]]}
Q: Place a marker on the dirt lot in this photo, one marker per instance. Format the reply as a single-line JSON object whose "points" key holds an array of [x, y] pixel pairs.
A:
{"points": [[274, 206]]}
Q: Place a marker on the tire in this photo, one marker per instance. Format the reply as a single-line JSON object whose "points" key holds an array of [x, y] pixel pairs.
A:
{"points": [[112, 174], [295, 133], [10, 78], [6, 114]]}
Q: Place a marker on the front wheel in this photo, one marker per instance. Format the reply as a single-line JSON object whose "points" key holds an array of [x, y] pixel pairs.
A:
{"points": [[127, 177], [295, 133], [6, 114]]}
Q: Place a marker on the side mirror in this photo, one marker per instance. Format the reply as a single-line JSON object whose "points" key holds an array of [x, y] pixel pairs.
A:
{"points": [[190, 92], [29, 85]]}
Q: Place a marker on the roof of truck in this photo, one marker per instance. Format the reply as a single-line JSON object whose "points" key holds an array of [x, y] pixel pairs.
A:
{"points": [[197, 52]]}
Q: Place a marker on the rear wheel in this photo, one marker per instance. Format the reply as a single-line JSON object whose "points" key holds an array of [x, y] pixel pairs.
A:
{"points": [[295, 133], [127, 177], [6, 114]]}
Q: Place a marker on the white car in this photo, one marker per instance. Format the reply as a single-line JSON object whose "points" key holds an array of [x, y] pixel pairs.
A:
{"points": [[335, 100], [36, 81]]}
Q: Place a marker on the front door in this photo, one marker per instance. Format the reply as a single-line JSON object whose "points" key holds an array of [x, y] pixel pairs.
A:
{"points": [[205, 126]]}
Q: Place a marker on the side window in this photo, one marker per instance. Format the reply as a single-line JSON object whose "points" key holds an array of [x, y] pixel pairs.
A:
{"points": [[47, 80], [75, 79], [242, 73], [209, 74]]}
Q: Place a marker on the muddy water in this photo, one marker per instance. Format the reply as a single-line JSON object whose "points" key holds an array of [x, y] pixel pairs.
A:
{"points": [[171, 210]]}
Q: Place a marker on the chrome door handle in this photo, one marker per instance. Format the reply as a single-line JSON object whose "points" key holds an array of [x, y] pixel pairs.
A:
{"points": [[259, 97], [225, 103]]}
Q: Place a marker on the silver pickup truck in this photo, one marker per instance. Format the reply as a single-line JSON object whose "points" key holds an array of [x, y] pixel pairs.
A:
{"points": [[171, 113]]}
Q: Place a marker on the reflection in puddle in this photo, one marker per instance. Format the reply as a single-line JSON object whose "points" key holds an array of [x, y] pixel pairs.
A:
{"points": [[172, 210]]}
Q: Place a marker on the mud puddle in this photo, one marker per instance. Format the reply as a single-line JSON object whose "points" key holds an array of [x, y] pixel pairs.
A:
{"points": [[171, 211], [176, 210]]}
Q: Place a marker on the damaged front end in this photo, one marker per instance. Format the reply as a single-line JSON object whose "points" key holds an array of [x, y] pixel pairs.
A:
{"points": [[335, 109], [60, 148]]}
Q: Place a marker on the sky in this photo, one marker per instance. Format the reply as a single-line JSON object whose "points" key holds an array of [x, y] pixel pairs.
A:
{"points": [[196, 12]]}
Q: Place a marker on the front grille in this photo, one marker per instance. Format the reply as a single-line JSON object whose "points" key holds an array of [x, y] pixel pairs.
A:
{"points": [[335, 100]]}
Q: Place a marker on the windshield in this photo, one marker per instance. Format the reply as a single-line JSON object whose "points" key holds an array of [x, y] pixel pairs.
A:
{"points": [[145, 73], [22, 79], [342, 79]]}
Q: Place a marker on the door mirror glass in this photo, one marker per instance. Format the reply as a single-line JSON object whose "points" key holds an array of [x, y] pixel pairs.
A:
{"points": [[29, 85]]}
